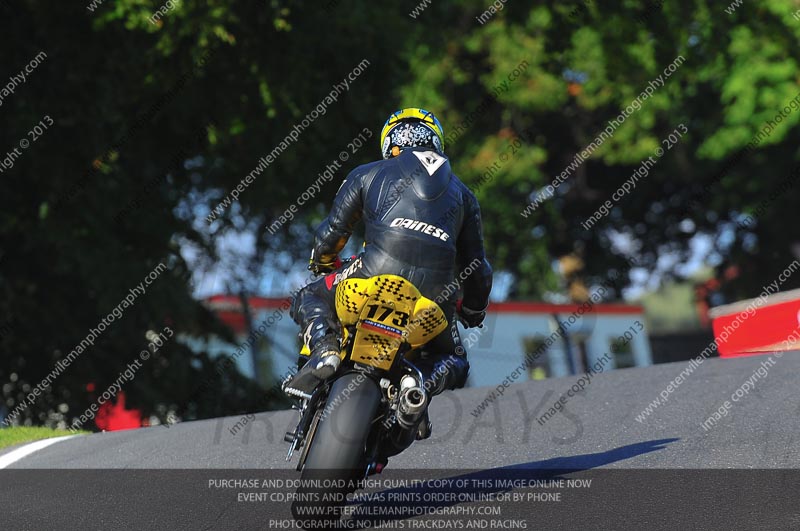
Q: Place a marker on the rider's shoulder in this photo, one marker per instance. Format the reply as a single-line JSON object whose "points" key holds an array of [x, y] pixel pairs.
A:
{"points": [[465, 190], [364, 170]]}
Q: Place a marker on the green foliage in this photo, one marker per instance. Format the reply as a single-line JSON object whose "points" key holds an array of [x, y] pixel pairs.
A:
{"points": [[14, 436]]}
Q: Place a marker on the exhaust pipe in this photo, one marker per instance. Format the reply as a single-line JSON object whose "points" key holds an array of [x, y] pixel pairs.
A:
{"points": [[411, 406]]}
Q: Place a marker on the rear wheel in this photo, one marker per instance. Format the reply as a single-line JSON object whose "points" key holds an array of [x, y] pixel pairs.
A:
{"points": [[335, 458]]}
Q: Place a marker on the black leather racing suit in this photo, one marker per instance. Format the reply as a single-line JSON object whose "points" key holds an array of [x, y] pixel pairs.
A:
{"points": [[422, 223]]}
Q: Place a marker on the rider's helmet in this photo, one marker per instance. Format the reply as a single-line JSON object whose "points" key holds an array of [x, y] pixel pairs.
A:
{"points": [[411, 127]]}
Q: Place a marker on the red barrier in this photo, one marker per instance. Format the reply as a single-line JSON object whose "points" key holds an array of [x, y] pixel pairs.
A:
{"points": [[114, 416], [757, 326]]}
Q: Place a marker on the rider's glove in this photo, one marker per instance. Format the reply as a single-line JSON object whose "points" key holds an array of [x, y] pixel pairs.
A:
{"points": [[324, 265], [470, 318]]}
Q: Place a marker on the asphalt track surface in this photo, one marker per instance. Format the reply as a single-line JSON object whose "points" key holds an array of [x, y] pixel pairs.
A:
{"points": [[664, 472]]}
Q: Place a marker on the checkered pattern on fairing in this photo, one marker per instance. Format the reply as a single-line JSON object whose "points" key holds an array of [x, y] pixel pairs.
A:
{"points": [[393, 286], [346, 302], [429, 323], [353, 299], [350, 297], [385, 347], [391, 291]]}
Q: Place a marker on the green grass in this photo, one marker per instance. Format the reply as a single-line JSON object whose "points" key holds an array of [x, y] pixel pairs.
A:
{"points": [[17, 435]]}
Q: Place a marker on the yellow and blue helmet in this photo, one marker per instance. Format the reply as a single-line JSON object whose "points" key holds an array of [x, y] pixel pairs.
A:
{"points": [[411, 127]]}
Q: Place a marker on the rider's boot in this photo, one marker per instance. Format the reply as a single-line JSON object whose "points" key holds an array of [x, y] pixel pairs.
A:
{"points": [[443, 373], [323, 362], [325, 357]]}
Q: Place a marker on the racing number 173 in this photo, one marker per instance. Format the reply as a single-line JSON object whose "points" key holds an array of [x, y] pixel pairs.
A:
{"points": [[400, 320]]}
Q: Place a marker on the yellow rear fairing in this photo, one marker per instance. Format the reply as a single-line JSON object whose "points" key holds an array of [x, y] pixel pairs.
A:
{"points": [[387, 310]]}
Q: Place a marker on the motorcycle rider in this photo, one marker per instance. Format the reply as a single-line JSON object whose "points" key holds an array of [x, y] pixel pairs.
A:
{"points": [[423, 224]]}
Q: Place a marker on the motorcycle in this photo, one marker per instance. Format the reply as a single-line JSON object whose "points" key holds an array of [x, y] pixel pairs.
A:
{"points": [[351, 422]]}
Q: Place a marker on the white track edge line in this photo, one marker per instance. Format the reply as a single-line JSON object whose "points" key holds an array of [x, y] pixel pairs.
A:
{"points": [[12, 457]]}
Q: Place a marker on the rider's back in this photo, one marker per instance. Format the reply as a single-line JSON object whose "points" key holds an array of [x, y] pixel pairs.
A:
{"points": [[414, 209]]}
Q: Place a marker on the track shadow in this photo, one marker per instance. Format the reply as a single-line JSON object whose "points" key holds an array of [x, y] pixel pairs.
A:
{"points": [[534, 470]]}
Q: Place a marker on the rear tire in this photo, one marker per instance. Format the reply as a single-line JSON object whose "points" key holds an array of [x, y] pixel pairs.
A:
{"points": [[335, 459]]}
